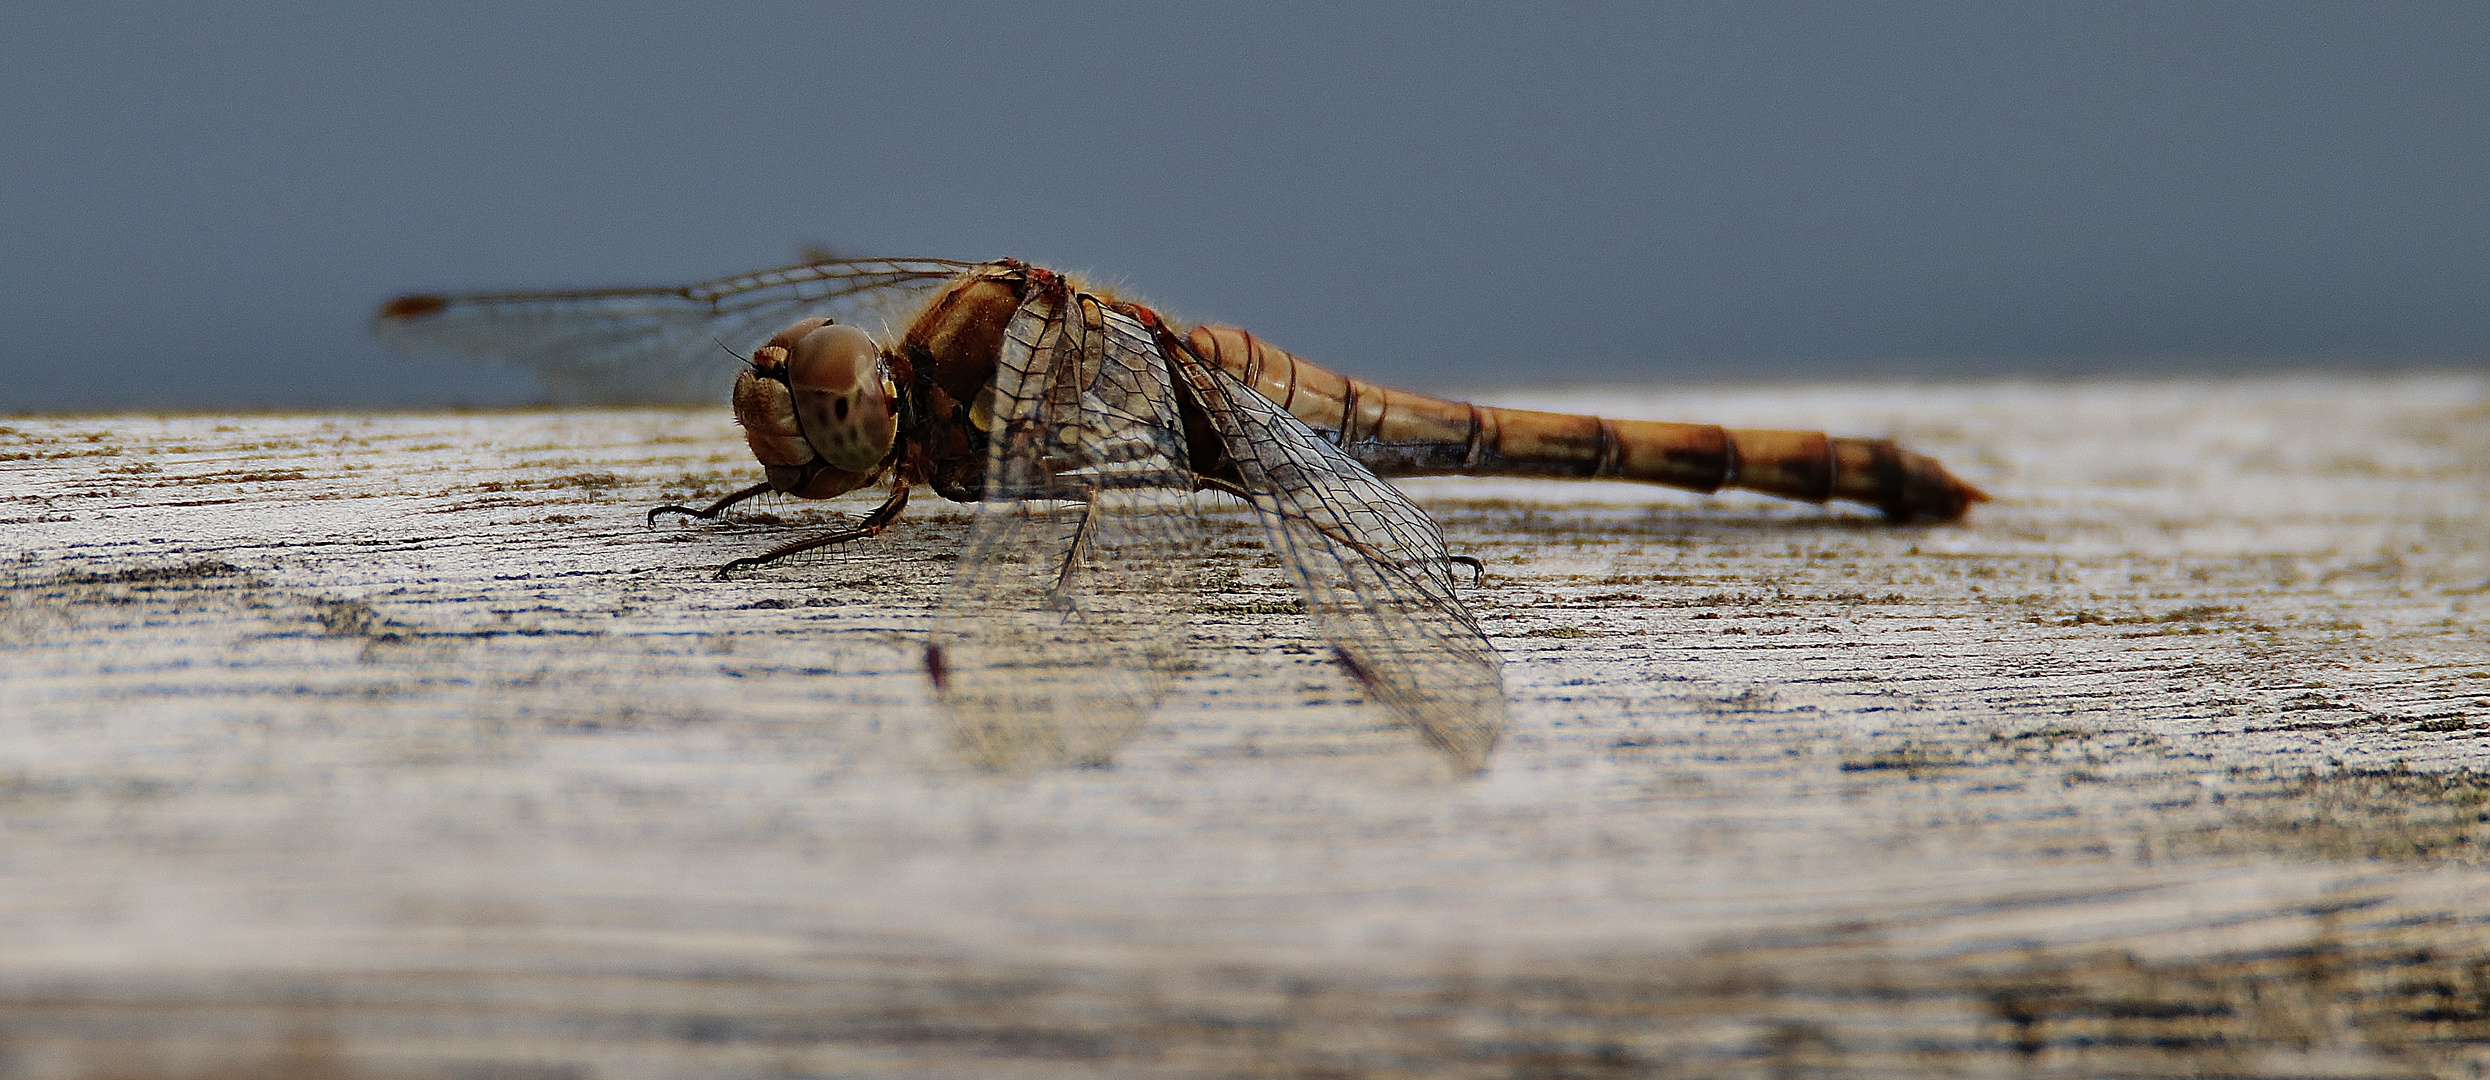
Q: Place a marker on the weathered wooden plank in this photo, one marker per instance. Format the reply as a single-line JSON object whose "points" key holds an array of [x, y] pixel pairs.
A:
{"points": [[398, 745]]}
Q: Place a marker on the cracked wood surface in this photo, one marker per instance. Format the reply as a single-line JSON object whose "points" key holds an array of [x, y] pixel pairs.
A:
{"points": [[396, 745]]}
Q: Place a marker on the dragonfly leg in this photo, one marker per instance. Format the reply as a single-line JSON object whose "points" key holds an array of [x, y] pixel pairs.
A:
{"points": [[1478, 570], [1213, 483], [872, 525], [1071, 556], [761, 488]]}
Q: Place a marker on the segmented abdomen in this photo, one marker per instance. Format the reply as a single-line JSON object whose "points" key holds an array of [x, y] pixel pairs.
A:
{"points": [[1399, 433]]}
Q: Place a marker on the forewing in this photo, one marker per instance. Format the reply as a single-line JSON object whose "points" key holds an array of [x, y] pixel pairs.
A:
{"points": [[1065, 617], [657, 344], [1376, 577]]}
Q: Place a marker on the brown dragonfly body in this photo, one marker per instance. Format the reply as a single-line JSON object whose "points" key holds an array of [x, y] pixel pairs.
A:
{"points": [[1081, 424], [947, 358]]}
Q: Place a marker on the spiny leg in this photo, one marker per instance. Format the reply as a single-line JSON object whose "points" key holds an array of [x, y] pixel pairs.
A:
{"points": [[1058, 595], [761, 488], [873, 524]]}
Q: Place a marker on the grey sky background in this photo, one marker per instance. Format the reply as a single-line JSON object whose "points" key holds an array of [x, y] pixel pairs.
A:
{"points": [[201, 204]]}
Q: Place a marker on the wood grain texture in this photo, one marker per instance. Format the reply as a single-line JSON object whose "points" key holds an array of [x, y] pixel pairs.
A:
{"points": [[397, 745]]}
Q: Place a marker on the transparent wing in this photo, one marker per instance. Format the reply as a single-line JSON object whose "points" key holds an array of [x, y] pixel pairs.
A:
{"points": [[1376, 577], [657, 344], [1065, 619]]}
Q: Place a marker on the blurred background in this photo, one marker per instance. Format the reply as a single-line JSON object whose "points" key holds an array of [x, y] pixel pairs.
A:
{"points": [[200, 205]]}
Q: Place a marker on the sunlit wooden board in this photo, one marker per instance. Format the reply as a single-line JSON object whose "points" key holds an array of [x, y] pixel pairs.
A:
{"points": [[399, 745]]}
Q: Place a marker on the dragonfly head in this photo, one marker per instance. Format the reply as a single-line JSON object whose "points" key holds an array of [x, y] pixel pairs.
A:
{"points": [[819, 402]]}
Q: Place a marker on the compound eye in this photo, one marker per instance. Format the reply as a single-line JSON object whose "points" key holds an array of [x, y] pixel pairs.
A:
{"points": [[841, 398], [795, 331], [770, 359]]}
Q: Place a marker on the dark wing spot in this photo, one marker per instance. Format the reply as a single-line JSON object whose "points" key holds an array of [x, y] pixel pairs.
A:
{"points": [[1364, 676], [414, 307], [840, 408]]}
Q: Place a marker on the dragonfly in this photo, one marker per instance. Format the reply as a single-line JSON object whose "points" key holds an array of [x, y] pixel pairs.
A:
{"points": [[1081, 425]]}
